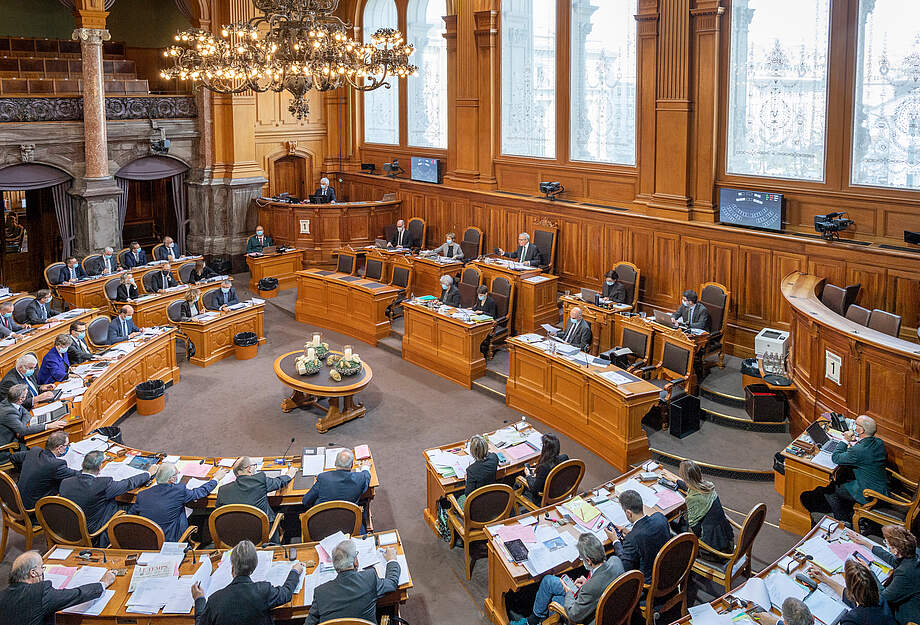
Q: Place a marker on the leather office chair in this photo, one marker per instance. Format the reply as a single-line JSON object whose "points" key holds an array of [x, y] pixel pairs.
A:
{"points": [[617, 603], [638, 342], [738, 562], [97, 331], [130, 531], [51, 275], [672, 374], [110, 289], [235, 522], [185, 272], [174, 311], [19, 309], [629, 278], [545, 235], [502, 291], [209, 300], [373, 269], [471, 244], [402, 279], [389, 231], [858, 314], [484, 506], [153, 252], [561, 483], [14, 514], [839, 299], [417, 228], [716, 298], [880, 320], [669, 575], [92, 264], [65, 523], [901, 506], [327, 518], [147, 281], [346, 262], [122, 255], [470, 279]]}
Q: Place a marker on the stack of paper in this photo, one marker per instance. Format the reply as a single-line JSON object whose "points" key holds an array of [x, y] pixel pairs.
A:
{"points": [[193, 468], [821, 554], [60, 576], [649, 497], [150, 594], [381, 568], [368, 554], [314, 464], [613, 512], [86, 575], [331, 453], [119, 471]]}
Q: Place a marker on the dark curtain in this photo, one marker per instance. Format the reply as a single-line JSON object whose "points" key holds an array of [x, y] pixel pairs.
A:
{"points": [[63, 208], [122, 201], [31, 176], [177, 183]]}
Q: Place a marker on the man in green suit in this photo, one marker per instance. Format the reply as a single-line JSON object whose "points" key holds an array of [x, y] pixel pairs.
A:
{"points": [[258, 241], [865, 454]]}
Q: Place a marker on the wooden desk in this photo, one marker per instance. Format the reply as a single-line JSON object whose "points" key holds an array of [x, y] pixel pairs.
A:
{"points": [[692, 341], [493, 267], [116, 609], [91, 293], [574, 399], [536, 302], [427, 273], [213, 339], [506, 576], [446, 346], [602, 320], [283, 265], [344, 303], [74, 429], [41, 339], [151, 309], [439, 487]]}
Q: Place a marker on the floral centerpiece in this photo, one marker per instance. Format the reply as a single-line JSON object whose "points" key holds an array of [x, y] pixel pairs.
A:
{"points": [[318, 346], [349, 363], [308, 364]]}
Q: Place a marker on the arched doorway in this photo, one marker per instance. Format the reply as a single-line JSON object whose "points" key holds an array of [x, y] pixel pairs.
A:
{"points": [[37, 222], [153, 202], [290, 175]]}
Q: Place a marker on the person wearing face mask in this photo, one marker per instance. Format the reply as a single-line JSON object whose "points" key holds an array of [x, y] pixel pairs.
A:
{"points": [[691, 313], [402, 237], [484, 302], [42, 469], [526, 252], [577, 331], [55, 364], [14, 420], [71, 271], [24, 373], [169, 250], [201, 272], [30, 599], [325, 193], [79, 351], [163, 279], [190, 306], [8, 325], [39, 309], [122, 328], [449, 249], [107, 263], [224, 296], [450, 295], [902, 591], [135, 256], [258, 241], [613, 290], [127, 290]]}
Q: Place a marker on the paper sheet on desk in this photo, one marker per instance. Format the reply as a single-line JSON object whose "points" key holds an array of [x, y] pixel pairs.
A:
{"points": [[649, 497], [824, 459], [824, 607], [615, 377], [821, 554], [119, 471], [193, 468], [331, 453], [381, 568], [93, 443], [517, 452], [180, 599], [705, 614], [314, 464], [329, 543], [780, 586], [613, 512], [368, 555], [92, 608], [317, 578], [668, 498], [86, 575]]}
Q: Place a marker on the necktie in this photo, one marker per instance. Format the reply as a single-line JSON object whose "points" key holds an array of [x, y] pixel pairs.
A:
{"points": [[124, 327], [44, 312], [572, 327], [165, 281], [6, 322], [32, 389], [136, 258], [399, 242], [692, 308], [523, 253]]}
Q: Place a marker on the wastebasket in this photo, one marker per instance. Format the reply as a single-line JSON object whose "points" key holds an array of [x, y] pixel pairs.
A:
{"points": [[267, 287], [764, 405], [246, 345], [151, 397]]}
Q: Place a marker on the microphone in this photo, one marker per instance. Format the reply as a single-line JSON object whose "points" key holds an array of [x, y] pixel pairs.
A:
{"points": [[281, 459]]}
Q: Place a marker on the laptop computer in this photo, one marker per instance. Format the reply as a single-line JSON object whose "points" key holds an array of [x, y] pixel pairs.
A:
{"points": [[820, 438], [665, 319], [589, 295], [380, 243], [269, 249], [50, 415]]}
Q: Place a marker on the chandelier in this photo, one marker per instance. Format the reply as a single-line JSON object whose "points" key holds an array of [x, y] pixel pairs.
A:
{"points": [[295, 46]]}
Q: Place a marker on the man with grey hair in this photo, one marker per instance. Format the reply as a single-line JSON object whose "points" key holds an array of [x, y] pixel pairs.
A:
{"points": [[865, 454], [325, 193], [450, 295], [107, 263], [164, 503], [31, 600], [96, 495], [795, 612], [579, 600], [42, 469], [526, 252], [244, 601], [341, 484], [251, 487], [25, 372], [14, 420], [8, 325], [353, 593], [39, 309]]}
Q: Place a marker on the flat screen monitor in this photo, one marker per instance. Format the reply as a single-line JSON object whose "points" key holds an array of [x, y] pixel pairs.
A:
{"points": [[425, 169], [753, 209]]}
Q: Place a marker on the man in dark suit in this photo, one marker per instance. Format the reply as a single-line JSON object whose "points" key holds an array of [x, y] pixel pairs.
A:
{"points": [[450, 295], [225, 296], [30, 599], [339, 485], [526, 252], [79, 351], [402, 237], [24, 373], [325, 193], [95, 495], [244, 601], [135, 256], [107, 263], [484, 302], [164, 503], [648, 535], [55, 365], [39, 309], [353, 593], [692, 313], [258, 241], [14, 420], [251, 487], [8, 325], [577, 331], [163, 279], [169, 250], [41, 470], [613, 290], [122, 328], [71, 271]]}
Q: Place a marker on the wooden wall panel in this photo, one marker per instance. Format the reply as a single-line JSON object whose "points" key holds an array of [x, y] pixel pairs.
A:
{"points": [[783, 265], [754, 293], [872, 281], [694, 265]]}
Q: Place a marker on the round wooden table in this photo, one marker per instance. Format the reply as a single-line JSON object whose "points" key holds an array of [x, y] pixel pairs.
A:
{"points": [[310, 389]]}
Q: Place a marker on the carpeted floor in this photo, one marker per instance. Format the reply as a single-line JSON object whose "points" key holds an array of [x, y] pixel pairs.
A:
{"points": [[232, 408]]}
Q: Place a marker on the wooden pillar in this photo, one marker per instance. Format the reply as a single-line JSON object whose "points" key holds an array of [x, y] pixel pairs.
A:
{"points": [[707, 22], [647, 72]]}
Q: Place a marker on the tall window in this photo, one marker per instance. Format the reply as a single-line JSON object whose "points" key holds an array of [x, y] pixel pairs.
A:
{"points": [[381, 106], [603, 98], [528, 34], [778, 88], [886, 119], [428, 89]]}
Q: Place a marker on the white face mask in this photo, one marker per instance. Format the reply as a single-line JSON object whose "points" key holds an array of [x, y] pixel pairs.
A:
{"points": [[62, 350], [258, 232], [444, 287], [449, 240], [610, 282]]}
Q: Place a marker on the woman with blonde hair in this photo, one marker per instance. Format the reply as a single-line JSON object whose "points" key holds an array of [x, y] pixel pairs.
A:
{"points": [[190, 307], [705, 515]]}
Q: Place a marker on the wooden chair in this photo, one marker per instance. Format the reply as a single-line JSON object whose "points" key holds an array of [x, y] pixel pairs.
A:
{"points": [[482, 507], [471, 244], [51, 275], [900, 507], [545, 235], [90, 263], [327, 518], [617, 603], [739, 561], [346, 262], [19, 309], [502, 291], [858, 314], [884, 322], [417, 229], [8, 465], [672, 374], [669, 575], [716, 298], [629, 278], [14, 514], [64, 522], [185, 272], [561, 483], [470, 279], [130, 531], [235, 522], [97, 331], [402, 278]]}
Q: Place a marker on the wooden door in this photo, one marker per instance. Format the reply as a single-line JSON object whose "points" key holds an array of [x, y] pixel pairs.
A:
{"points": [[289, 176]]}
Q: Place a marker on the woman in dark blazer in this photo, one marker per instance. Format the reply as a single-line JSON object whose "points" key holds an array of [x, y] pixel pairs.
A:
{"points": [[549, 458], [705, 515], [902, 592], [482, 471], [127, 290], [200, 272], [191, 306]]}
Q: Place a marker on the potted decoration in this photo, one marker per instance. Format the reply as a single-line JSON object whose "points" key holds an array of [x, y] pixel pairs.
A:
{"points": [[320, 348], [349, 363], [308, 364]]}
